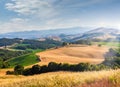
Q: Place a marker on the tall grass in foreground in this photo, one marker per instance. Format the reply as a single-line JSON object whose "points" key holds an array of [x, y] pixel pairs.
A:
{"points": [[65, 79]]}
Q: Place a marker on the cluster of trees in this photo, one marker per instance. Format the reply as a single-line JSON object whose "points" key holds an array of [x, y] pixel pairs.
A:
{"points": [[113, 60], [86, 42], [3, 64], [6, 41], [7, 54], [30, 44], [52, 66], [35, 44]]}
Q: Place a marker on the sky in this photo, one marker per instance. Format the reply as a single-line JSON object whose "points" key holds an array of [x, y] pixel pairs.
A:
{"points": [[27, 15]]}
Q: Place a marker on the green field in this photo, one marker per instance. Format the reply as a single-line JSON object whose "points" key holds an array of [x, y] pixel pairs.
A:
{"points": [[25, 60], [113, 44]]}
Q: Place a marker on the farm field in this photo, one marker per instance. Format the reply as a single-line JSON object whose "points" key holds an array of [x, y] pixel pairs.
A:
{"points": [[109, 78], [74, 54], [25, 60]]}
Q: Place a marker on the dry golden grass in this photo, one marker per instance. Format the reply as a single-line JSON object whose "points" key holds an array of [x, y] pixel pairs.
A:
{"points": [[3, 71], [61, 79], [74, 54]]}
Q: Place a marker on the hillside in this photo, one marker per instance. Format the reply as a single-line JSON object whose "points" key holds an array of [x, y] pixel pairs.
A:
{"points": [[100, 33], [108, 78], [67, 34], [74, 54]]}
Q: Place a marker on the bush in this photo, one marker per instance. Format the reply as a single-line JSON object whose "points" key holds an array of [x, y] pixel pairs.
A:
{"points": [[99, 45], [18, 70], [9, 72]]}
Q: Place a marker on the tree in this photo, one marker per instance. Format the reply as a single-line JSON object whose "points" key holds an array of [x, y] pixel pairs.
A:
{"points": [[18, 70], [65, 67], [27, 71], [44, 69], [99, 45], [52, 66], [1, 63], [36, 69], [82, 66], [64, 43]]}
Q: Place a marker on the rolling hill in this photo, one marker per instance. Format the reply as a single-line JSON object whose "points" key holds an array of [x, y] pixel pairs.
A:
{"points": [[100, 33], [74, 54], [68, 34]]}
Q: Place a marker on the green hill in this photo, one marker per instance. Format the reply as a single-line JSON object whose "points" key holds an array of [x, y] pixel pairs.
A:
{"points": [[25, 60]]}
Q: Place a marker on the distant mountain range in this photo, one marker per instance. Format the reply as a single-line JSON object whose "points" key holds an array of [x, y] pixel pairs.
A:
{"points": [[100, 33], [67, 34], [45, 33]]}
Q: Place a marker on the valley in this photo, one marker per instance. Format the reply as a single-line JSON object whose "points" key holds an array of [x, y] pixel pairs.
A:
{"points": [[64, 61]]}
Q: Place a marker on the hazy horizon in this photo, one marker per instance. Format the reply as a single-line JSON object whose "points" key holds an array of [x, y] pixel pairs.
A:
{"points": [[28, 15]]}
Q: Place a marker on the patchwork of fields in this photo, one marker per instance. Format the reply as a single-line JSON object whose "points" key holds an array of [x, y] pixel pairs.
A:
{"points": [[69, 54]]}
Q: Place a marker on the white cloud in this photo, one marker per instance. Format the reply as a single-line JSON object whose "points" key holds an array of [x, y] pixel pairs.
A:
{"points": [[39, 8], [18, 24], [46, 8], [18, 20]]}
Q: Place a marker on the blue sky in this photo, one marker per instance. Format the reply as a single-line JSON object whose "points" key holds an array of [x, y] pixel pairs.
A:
{"points": [[25, 15]]}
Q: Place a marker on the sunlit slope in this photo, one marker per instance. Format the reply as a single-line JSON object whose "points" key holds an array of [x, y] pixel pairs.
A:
{"points": [[74, 54]]}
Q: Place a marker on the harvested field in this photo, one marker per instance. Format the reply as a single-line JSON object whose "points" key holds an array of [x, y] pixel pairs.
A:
{"points": [[74, 54]]}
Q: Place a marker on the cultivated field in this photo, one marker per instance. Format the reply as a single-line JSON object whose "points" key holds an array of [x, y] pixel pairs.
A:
{"points": [[74, 54], [108, 78]]}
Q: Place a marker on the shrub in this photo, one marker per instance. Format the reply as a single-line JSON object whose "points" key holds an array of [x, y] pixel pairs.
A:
{"points": [[9, 72], [18, 70], [99, 45]]}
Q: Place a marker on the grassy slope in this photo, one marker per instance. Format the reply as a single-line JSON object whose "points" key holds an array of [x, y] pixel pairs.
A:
{"points": [[108, 78], [25, 60]]}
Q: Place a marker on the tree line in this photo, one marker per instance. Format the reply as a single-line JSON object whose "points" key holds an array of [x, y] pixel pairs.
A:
{"points": [[36, 44], [53, 66], [7, 41]]}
